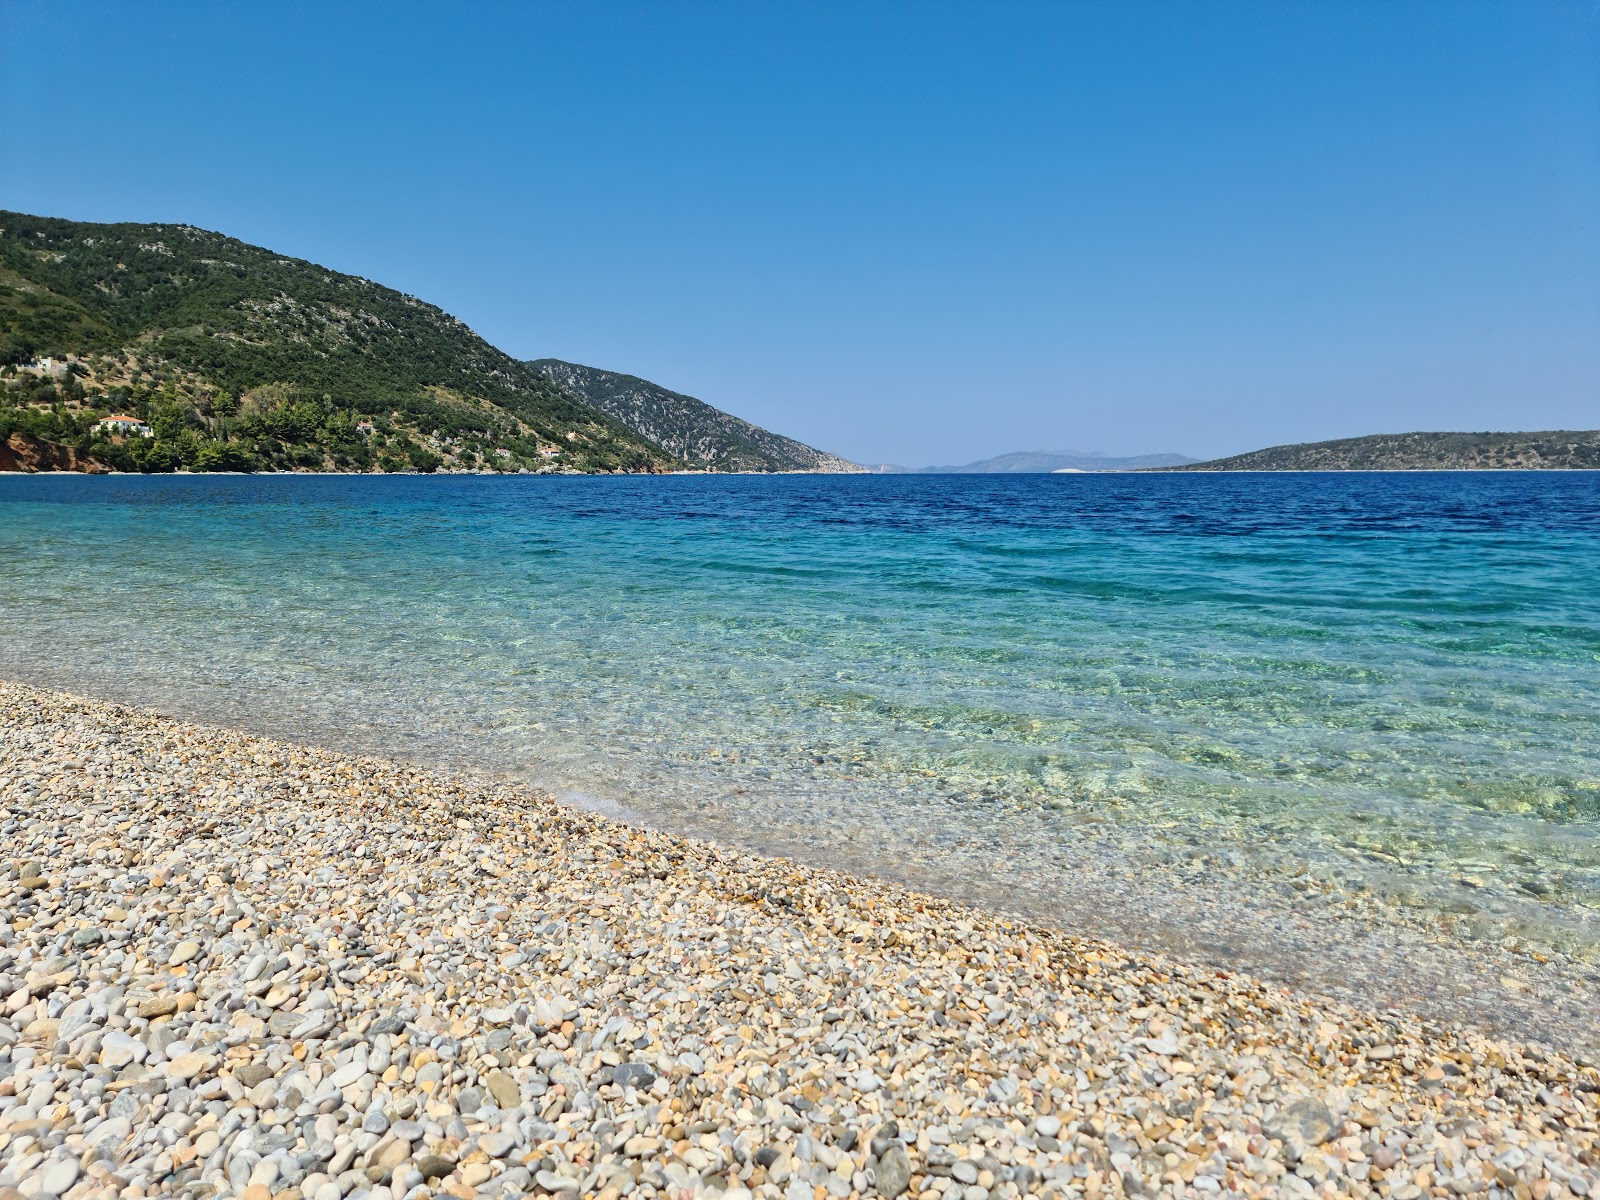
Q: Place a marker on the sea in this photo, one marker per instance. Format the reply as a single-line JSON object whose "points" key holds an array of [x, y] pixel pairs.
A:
{"points": [[1135, 705]]}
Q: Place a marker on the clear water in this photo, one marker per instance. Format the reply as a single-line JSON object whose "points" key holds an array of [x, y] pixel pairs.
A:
{"points": [[1385, 684]]}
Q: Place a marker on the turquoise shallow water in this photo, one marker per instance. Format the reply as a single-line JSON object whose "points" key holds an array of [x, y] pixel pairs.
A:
{"points": [[1375, 685]]}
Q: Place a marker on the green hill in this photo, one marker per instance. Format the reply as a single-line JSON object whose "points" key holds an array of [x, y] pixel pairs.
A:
{"points": [[1553, 450], [236, 357], [691, 430]]}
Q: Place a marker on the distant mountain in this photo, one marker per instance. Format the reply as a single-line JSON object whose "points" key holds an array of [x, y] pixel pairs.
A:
{"points": [[1553, 450], [690, 430], [1043, 462]]}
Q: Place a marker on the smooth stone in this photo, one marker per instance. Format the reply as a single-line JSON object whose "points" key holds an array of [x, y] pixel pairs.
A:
{"points": [[58, 1177], [434, 1166], [114, 1129], [633, 1074], [253, 1073], [159, 1006], [390, 1156], [551, 1182], [506, 1091], [187, 1066], [894, 1171], [118, 1054], [497, 1145]]}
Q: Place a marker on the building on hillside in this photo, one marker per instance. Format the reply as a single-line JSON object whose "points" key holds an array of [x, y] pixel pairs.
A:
{"points": [[122, 423], [549, 452], [364, 428], [50, 368]]}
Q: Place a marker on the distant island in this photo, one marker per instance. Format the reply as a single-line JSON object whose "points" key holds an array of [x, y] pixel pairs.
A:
{"points": [[139, 347], [1042, 462], [1552, 450]]}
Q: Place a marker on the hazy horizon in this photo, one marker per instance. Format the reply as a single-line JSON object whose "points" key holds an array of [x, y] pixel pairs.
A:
{"points": [[917, 235]]}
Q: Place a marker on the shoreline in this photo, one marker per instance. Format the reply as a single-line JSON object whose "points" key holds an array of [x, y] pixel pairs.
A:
{"points": [[268, 970], [877, 474], [1285, 925]]}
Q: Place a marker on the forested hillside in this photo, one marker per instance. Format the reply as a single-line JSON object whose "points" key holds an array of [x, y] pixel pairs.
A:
{"points": [[689, 429], [235, 357], [1560, 449]]}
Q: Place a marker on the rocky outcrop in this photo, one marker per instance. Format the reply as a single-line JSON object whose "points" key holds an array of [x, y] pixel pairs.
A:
{"points": [[24, 452]]}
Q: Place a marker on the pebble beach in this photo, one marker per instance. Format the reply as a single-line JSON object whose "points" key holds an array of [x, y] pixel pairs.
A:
{"points": [[234, 966]]}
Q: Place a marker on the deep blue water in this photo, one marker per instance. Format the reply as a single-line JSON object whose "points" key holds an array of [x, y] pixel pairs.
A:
{"points": [[1391, 680]]}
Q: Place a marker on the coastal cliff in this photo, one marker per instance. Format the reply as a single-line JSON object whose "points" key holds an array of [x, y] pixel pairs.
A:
{"points": [[23, 452]]}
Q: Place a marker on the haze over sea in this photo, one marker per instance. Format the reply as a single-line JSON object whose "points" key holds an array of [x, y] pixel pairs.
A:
{"points": [[1199, 710]]}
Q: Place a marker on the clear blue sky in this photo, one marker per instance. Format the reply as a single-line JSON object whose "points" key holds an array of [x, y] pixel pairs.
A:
{"points": [[904, 232]]}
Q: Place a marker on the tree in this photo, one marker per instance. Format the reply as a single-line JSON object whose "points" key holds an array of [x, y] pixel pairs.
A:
{"points": [[425, 460]]}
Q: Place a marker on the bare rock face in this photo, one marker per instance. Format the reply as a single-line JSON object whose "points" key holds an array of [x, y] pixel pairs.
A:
{"points": [[24, 452]]}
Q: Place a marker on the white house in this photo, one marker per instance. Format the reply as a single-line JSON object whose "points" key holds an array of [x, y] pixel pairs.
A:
{"points": [[49, 367], [122, 423]]}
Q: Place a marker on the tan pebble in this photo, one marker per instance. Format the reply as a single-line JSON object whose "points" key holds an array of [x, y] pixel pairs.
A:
{"points": [[505, 1090], [187, 1066]]}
